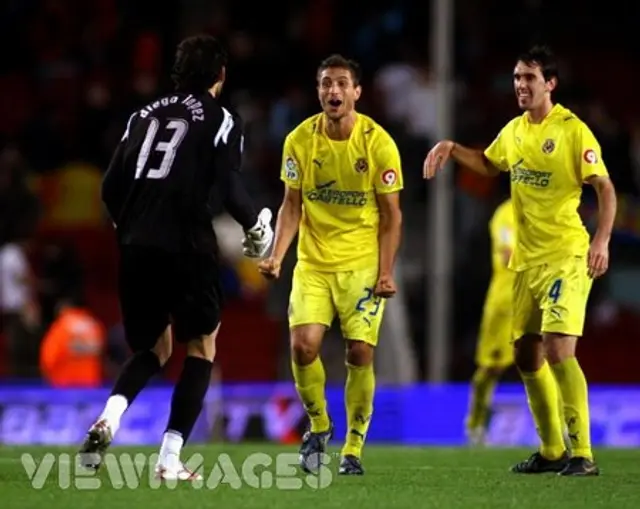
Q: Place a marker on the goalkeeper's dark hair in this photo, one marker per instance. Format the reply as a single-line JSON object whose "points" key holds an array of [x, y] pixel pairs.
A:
{"points": [[340, 62], [198, 64], [542, 56]]}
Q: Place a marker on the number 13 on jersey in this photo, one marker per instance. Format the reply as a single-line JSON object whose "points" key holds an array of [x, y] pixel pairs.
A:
{"points": [[179, 128]]}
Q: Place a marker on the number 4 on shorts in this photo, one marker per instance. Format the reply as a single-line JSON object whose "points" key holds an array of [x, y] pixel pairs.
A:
{"points": [[555, 290]]}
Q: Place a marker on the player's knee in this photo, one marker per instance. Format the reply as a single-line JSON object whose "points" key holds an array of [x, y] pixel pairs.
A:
{"points": [[164, 347], [203, 347], [359, 353], [529, 353], [559, 347], [305, 343]]}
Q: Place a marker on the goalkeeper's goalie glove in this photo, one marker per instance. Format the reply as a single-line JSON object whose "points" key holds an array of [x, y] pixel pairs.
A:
{"points": [[259, 237]]}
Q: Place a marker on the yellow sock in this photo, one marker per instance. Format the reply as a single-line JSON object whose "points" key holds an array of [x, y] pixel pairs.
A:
{"points": [[542, 395], [565, 432], [310, 381], [483, 386], [359, 392], [575, 396]]}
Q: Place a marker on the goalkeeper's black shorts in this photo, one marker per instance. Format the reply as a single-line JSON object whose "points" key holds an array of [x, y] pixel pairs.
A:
{"points": [[158, 288]]}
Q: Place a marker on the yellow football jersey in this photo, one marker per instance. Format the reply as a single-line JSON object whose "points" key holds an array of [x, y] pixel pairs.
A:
{"points": [[501, 229], [339, 182], [549, 162]]}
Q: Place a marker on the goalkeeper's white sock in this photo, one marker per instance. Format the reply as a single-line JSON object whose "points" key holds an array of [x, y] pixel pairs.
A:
{"points": [[170, 449], [113, 411]]}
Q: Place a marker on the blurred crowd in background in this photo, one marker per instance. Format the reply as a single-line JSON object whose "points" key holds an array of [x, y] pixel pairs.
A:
{"points": [[73, 71]]}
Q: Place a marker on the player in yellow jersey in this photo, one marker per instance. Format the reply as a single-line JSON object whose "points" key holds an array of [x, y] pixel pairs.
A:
{"points": [[550, 154], [342, 178], [494, 352]]}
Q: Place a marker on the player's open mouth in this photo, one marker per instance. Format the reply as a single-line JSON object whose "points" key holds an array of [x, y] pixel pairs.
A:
{"points": [[335, 102]]}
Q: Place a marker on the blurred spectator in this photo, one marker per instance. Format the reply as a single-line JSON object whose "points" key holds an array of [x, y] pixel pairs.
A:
{"points": [[18, 309], [73, 348], [286, 113]]}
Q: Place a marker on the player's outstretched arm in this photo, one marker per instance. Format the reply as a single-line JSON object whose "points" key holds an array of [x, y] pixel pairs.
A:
{"points": [[287, 224], [233, 190], [238, 202], [470, 158]]}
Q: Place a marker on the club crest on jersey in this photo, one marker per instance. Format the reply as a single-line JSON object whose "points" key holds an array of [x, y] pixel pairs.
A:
{"points": [[548, 146], [361, 165], [291, 168], [389, 177]]}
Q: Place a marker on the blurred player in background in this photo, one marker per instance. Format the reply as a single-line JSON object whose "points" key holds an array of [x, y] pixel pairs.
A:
{"points": [[342, 178], [550, 154], [494, 352], [177, 157]]}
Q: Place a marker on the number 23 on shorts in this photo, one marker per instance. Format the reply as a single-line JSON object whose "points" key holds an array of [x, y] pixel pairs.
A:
{"points": [[368, 295]]}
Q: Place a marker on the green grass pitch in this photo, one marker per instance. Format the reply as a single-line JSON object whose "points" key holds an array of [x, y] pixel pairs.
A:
{"points": [[396, 477]]}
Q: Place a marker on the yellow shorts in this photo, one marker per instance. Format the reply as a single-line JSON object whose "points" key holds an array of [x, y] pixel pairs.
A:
{"points": [[495, 348], [552, 298], [317, 296]]}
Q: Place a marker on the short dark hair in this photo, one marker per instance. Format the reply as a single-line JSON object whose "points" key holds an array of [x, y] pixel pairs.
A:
{"points": [[542, 56], [198, 63], [338, 61]]}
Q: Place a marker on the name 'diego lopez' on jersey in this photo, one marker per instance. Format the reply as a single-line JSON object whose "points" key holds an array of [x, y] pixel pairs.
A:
{"points": [[192, 104]]}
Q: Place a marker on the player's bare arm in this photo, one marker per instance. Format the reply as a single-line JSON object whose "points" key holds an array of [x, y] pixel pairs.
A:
{"points": [[389, 233], [598, 261], [470, 158], [287, 225]]}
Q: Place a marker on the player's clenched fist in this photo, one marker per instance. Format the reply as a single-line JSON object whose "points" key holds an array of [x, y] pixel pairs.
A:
{"points": [[436, 158], [269, 268], [386, 287]]}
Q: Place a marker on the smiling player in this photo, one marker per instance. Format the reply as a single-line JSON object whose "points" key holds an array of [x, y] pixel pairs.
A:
{"points": [[550, 154], [342, 179]]}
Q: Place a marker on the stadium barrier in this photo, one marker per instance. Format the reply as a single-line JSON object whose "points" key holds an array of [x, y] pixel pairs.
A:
{"points": [[414, 415]]}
